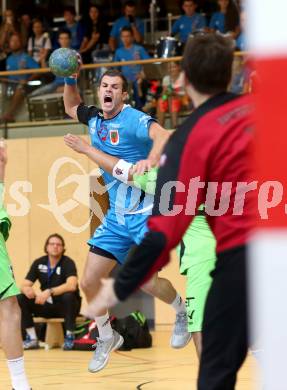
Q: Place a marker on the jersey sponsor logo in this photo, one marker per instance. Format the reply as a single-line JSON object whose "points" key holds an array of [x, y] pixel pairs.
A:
{"points": [[114, 137], [43, 268], [114, 125], [103, 132]]}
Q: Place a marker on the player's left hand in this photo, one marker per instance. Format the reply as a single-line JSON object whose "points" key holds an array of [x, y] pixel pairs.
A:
{"points": [[105, 299], [141, 167], [76, 143], [42, 297]]}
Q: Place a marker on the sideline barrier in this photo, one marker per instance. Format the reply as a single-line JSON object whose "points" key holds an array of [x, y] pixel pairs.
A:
{"points": [[87, 86]]}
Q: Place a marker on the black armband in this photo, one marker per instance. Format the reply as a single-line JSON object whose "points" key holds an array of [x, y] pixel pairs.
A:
{"points": [[85, 113]]}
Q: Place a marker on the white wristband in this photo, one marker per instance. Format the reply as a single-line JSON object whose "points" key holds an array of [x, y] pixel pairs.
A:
{"points": [[121, 171]]}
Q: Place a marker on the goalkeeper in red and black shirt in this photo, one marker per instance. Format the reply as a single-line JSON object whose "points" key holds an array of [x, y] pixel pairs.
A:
{"points": [[207, 160]]}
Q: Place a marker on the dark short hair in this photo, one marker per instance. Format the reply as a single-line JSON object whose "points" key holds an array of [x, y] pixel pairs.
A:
{"points": [[37, 20], [70, 9], [207, 62], [115, 73], [130, 3], [56, 235], [65, 31], [94, 6], [189, 1], [16, 34], [126, 28]]}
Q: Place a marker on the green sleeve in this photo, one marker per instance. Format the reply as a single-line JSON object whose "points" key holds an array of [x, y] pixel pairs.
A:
{"points": [[147, 181]]}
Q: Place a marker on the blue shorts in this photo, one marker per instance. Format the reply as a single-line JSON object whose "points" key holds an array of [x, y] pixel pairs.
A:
{"points": [[116, 238]]}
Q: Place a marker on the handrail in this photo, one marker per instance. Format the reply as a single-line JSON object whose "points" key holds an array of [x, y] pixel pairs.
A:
{"points": [[39, 123], [105, 64]]}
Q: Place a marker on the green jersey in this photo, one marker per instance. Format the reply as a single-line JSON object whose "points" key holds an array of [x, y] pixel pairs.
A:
{"points": [[8, 286]]}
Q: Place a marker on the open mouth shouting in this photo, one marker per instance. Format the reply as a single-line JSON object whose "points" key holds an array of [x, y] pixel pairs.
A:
{"points": [[108, 99]]}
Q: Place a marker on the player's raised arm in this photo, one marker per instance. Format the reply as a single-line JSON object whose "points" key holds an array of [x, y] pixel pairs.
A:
{"points": [[72, 98]]}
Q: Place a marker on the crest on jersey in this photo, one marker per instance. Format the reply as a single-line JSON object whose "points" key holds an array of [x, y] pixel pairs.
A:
{"points": [[103, 132], [114, 137]]}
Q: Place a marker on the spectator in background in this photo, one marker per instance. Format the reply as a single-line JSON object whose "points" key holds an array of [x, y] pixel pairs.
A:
{"points": [[18, 60], [133, 73], [57, 85], [240, 41], [39, 44], [226, 20], [96, 34], [173, 97], [242, 76], [128, 20], [76, 28], [188, 23], [25, 28], [58, 296], [7, 29]]}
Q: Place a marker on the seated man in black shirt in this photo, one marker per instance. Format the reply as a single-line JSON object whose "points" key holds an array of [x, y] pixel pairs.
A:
{"points": [[59, 295]]}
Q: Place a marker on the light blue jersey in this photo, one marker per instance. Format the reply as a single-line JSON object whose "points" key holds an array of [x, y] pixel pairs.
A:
{"points": [[125, 136], [217, 22], [186, 25], [19, 61], [241, 42], [124, 22], [135, 52]]}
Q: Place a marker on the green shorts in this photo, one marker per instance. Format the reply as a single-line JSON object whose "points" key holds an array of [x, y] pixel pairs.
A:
{"points": [[197, 259], [8, 286], [198, 282]]}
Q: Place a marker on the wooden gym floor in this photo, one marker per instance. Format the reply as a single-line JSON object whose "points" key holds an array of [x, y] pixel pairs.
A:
{"points": [[157, 368]]}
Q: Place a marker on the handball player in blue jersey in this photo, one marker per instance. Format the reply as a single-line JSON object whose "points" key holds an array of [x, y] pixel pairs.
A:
{"points": [[133, 137]]}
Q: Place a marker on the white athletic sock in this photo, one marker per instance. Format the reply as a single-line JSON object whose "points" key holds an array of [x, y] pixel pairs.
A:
{"points": [[18, 375], [32, 333], [178, 304], [104, 327]]}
